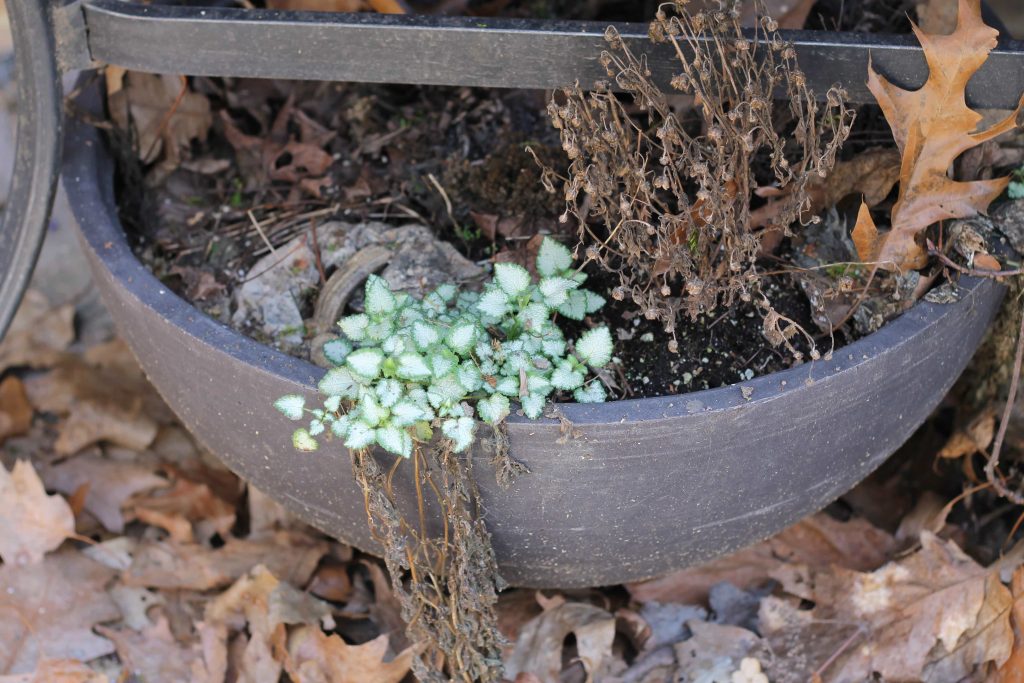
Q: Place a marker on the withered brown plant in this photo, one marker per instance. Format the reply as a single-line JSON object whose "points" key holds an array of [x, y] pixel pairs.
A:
{"points": [[666, 205]]}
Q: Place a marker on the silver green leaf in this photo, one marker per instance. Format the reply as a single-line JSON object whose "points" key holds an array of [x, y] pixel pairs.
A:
{"points": [[591, 393], [566, 378], [354, 326], [335, 350], [359, 435], [595, 347], [380, 300], [512, 278], [555, 290], [462, 337], [291, 406], [394, 440], [388, 392], [338, 382], [493, 303], [533, 405], [460, 431], [365, 362], [425, 335], [493, 409], [411, 366], [553, 258]]}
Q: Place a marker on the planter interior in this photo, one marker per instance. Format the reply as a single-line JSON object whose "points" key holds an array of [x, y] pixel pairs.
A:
{"points": [[647, 486]]}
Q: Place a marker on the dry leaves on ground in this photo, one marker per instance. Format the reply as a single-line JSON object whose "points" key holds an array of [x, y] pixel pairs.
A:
{"points": [[932, 127], [32, 523]]}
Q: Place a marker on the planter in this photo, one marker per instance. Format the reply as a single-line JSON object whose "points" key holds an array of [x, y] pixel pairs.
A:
{"points": [[647, 486]]}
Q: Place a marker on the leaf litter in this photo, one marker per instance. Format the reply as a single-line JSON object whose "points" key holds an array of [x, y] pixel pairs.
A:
{"points": [[179, 579]]}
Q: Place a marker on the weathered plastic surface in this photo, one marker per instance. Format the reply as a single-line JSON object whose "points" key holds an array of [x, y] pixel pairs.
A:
{"points": [[648, 486]]}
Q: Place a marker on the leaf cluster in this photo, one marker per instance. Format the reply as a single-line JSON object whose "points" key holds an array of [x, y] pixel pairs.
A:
{"points": [[672, 199], [408, 366]]}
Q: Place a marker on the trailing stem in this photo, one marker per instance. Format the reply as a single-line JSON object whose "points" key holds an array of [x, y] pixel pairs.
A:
{"points": [[446, 583]]}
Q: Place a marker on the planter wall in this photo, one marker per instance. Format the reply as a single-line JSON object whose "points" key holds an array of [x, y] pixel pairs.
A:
{"points": [[648, 485]]}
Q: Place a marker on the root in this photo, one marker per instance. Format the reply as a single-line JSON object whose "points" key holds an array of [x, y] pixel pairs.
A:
{"points": [[447, 585]]}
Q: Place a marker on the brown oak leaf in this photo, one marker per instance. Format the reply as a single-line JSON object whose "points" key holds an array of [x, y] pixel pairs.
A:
{"points": [[31, 522], [48, 610], [58, 671], [932, 127], [315, 656]]}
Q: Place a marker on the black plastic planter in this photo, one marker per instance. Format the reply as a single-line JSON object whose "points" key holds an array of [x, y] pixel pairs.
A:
{"points": [[646, 487]]}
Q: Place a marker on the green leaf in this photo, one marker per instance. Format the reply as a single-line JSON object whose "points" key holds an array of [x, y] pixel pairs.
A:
{"points": [[508, 385], [411, 366], [302, 440], [555, 290], [534, 316], [388, 392], [493, 409], [291, 406], [379, 298], [566, 378], [442, 363], [332, 403], [592, 393], [370, 410], [359, 435], [395, 440], [395, 345], [425, 335], [553, 258], [538, 384], [512, 278], [380, 330], [406, 412], [460, 431], [338, 382], [462, 337], [365, 362], [594, 301], [445, 392], [595, 347], [354, 326], [469, 376], [533, 406], [316, 427], [553, 346], [493, 303], [335, 350], [340, 426], [575, 305]]}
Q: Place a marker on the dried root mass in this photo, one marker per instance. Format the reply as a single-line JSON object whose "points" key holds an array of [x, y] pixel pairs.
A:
{"points": [[667, 205]]}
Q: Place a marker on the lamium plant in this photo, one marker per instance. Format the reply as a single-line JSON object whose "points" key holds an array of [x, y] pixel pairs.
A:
{"points": [[407, 367]]}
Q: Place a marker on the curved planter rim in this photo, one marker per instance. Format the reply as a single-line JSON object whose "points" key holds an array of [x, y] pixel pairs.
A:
{"points": [[650, 484]]}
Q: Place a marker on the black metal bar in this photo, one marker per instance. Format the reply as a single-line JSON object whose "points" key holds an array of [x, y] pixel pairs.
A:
{"points": [[467, 51], [37, 151]]}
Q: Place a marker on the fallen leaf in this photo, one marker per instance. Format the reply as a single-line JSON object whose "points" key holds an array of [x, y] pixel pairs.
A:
{"points": [[935, 615], [1012, 670], [58, 671], [818, 541], [15, 410], [164, 114], [314, 656], [539, 647], [168, 565], [111, 483], [199, 284], [973, 438], [153, 654], [983, 261], [48, 610], [31, 522], [134, 604], [331, 582], [714, 651], [266, 515], [184, 507], [39, 334], [263, 605], [932, 127]]}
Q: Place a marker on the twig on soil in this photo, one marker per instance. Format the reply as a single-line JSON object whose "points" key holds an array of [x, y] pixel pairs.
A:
{"points": [[949, 263], [256, 224], [447, 202]]}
